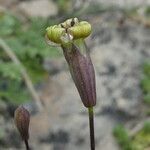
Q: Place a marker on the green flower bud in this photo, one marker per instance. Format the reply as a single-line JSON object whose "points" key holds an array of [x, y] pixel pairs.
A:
{"points": [[82, 30], [54, 33], [22, 119], [72, 27]]}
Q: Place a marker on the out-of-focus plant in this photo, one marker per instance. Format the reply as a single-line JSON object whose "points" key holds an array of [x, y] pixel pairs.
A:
{"points": [[26, 41], [123, 138], [142, 139], [64, 6], [70, 36], [145, 83]]}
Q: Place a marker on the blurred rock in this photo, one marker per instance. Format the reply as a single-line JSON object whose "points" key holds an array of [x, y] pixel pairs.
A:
{"points": [[38, 8], [7, 3], [102, 4], [54, 65], [3, 107], [124, 3]]}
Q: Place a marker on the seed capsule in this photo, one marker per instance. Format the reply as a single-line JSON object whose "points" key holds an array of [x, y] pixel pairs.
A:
{"points": [[22, 119]]}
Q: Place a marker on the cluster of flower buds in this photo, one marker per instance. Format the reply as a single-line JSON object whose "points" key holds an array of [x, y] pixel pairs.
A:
{"points": [[70, 36]]}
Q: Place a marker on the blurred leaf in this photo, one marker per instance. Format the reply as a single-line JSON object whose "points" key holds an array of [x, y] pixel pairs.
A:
{"points": [[142, 139], [39, 25], [146, 68], [146, 128], [146, 85], [64, 6], [16, 46], [8, 24], [10, 70], [147, 99], [122, 137], [147, 10], [15, 92]]}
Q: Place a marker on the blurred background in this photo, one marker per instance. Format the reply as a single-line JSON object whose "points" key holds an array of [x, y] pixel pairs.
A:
{"points": [[31, 72]]}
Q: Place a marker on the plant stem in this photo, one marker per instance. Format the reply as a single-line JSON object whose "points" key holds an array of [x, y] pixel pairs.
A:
{"points": [[91, 124], [27, 145]]}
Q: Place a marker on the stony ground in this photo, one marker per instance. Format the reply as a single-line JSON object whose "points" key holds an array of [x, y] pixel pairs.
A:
{"points": [[118, 48]]}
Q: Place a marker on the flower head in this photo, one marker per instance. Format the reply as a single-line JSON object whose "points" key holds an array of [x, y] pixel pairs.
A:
{"points": [[70, 36], [69, 30]]}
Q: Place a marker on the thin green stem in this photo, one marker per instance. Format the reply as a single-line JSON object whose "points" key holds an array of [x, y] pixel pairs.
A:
{"points": [[91, 124], [27, 145]]}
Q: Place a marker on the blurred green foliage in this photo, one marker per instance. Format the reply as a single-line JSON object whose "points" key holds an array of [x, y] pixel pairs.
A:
{"points": [[26, 39], [64, 6], [2, 133], [145, 83], [147, 11], [123, 138], [142, 138], [146, 69], [139, 142], [147, 99]]}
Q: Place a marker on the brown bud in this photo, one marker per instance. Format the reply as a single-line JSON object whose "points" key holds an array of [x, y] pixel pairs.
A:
{"points": [[22, 119], [82, 71]]}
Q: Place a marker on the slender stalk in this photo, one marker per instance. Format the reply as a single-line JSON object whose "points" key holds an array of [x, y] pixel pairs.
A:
{"points": [[91, 124], [27, 145]]}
